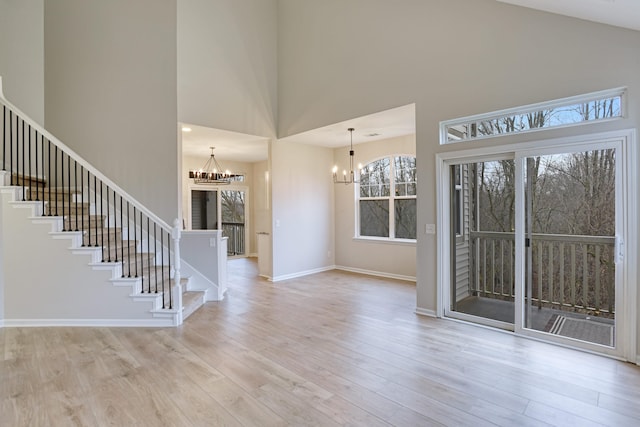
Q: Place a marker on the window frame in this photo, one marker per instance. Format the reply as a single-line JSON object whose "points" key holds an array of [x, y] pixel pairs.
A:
{"points": [[391, 198], [620, 92], [459, 195]]}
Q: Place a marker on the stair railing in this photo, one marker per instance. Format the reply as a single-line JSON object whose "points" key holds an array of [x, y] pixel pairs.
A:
{"points": [[67, 186]]}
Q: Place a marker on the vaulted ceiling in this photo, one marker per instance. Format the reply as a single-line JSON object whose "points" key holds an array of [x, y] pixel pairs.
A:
{"points": [[398, 121], [620, 13]]}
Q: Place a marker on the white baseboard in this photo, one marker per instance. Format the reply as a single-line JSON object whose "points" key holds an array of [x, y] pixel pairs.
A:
{"points": [[376, 273], [343, 268], [101, 323], [425, 312], [301, 273]]}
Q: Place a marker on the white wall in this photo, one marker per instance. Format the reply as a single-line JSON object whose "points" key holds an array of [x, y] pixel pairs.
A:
{"points": [[261, 203], [393, 259], [227, 64], [56, 287], [302, 208], [340, 59], [110, 92], [22, 55]]}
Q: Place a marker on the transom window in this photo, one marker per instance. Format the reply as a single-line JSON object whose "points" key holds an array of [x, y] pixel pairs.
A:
{"points": [[577, 110], [387, 198]]}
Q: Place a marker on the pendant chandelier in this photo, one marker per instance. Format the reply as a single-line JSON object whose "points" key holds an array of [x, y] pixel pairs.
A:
{"points": [[211, 173], [347, 177]]}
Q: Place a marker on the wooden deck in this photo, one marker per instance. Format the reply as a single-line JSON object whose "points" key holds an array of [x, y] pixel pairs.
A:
{"points": [[330, 349], [579, 326]]}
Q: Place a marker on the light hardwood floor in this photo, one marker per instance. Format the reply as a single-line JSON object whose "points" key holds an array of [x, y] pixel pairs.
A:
{"points": [[329, 349]]}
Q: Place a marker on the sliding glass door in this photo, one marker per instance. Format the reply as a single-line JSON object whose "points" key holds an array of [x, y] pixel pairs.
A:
{"points": [[482, 241], [570, 228], [533, 239]]}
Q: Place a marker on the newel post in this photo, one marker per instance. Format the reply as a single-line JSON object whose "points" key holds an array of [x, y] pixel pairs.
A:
{"points": [[177, 289]]}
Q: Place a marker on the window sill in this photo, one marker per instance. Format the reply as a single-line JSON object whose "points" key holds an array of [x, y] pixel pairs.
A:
{"points": [[385, 241]]}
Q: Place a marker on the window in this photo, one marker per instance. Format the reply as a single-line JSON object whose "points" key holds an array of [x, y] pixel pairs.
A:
{"points": [[387, 198], [578, 110]]}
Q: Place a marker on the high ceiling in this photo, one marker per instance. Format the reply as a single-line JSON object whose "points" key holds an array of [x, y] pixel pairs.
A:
{"points": [[240, 147], [383, 125], [228, 145], [620, 13], [399, 121]]}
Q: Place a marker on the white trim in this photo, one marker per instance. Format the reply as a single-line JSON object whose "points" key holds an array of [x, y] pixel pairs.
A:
{"points": [[442, 243], [425, 312], [301, 273], [524, 109], [391, 199], [519, 261], [111, 323], [376, 273], [385, 240], [630, 274]]}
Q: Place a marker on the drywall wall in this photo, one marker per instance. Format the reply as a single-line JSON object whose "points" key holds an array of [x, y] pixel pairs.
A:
{"points": [[302, 208], [380, 257], [63, 288], [227, 64], [22, 55], [110, 92], [261, 210], [340, 59]]}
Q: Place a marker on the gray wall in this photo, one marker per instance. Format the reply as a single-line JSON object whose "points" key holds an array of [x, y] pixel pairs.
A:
{"points": [[22, 55], [110, 91], [227, 64], [302, 208], [340, 59], [397, 260]]}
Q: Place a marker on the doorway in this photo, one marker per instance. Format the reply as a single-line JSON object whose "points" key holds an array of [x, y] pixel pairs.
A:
{"points": [[225, 210], [535, 237]]}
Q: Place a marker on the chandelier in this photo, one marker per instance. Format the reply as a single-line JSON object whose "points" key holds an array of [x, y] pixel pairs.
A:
{"points": [[351, 178], [211, 172]]}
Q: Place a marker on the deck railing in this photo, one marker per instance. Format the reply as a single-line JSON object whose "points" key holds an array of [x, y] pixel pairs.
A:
{"points": [[235, 232], [574, 273]]}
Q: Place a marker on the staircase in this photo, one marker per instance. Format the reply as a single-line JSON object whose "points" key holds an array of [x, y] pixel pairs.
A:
{"points": [[111, 261]]}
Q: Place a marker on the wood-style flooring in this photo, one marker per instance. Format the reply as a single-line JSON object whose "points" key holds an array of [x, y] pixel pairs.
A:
{"points": [[330, 349]]}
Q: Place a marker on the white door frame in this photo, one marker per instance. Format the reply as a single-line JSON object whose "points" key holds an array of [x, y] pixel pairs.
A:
{"points": [[627, 231]]}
